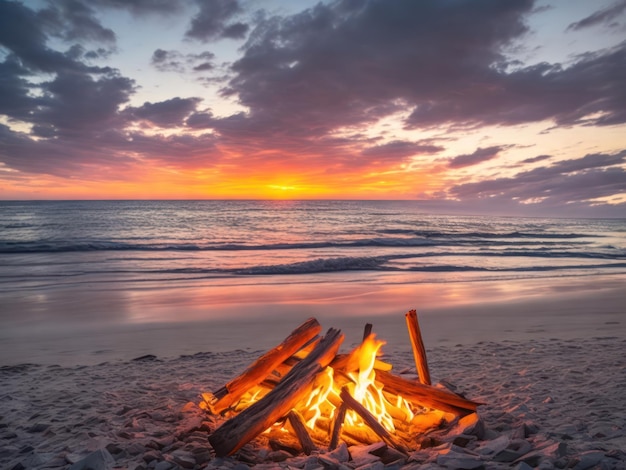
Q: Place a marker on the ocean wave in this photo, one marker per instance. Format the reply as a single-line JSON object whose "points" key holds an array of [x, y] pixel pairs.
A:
{"points": [[325, 265], [379, 264], [392, 242], [321, 265], [486, 235]]}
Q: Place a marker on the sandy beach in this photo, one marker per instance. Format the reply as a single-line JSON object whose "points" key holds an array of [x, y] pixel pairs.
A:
{"points": [[550, 371]]}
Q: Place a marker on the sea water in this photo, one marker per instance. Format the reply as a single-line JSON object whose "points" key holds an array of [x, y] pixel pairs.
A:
{"points": [[93, 263], [53, 244]]}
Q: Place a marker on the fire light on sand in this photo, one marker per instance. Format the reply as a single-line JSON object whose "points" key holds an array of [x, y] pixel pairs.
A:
{"points": [[303, 396]]}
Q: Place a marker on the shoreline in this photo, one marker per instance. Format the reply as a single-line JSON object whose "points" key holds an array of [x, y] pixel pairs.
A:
{"points": [[92, 327]]}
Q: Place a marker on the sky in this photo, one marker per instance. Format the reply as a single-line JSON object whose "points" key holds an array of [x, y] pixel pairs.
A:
{"points": [[514, 107]]}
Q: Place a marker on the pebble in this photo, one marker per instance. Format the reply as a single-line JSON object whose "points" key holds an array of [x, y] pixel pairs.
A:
{"points": [[459, 461], [588, 460], [98, 460]]}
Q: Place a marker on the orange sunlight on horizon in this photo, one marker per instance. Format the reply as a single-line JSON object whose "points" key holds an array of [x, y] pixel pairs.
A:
{"points": [[155, 182]]}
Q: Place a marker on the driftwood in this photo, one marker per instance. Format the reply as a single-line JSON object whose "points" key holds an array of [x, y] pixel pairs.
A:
{"points": [[299, 428], [337, 425], [239, 430], [425, 395], [419, 351], [370, 420], [367, 330], [259, 370]]}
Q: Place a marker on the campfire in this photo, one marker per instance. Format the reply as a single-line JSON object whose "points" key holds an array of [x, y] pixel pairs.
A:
{"points": [[303, 395]]}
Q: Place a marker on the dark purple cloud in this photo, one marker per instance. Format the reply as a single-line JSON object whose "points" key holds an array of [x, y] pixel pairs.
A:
{"points": [[167, 113], [74, 20], [211, 21], [356, 62], [400, 150], [605, 16], [76, 102], [478, 156], [142, 7], [175, 61], [22, 34], [573, 180], [203, 120], [168, 61], [538, 158], [111, 152], [74, 98]]}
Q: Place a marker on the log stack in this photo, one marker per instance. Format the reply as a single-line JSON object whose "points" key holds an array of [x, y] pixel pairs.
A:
{"points": [[304, 395]]}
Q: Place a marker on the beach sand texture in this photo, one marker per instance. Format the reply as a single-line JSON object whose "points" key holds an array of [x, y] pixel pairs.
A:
{"points": [[550, 403]]}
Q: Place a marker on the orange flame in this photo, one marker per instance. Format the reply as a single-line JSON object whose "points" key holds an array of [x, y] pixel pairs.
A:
{"points": [[360, 373]]}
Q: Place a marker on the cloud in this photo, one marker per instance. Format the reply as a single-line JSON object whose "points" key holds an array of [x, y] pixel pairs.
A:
{"points": [[175, 61], [442, 63], [75, 102], [564, 182], [357, 62], [235, 31], [201, 120], [538, 158], [141, 7], [60, 156], [71, 98], [168, 61], [605, 16], [480, 155], [115, 154], [400, 150], [74, 20], [210, 22], [22, 34], [166, 113]]}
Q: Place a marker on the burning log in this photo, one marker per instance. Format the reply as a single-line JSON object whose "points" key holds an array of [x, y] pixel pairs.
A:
{"points": [[370, 420], [337, 425], [239, 430], [259, 370], [426, 395], [367, 330], [417, 344]]}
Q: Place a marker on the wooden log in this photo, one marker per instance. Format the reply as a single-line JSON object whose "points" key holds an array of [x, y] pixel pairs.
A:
{"points": [[426, 395], [337, 425], [237, 431], [264, 365], [299, 428], [419, 352], [371, 420], [288, 445], [367, 330]]}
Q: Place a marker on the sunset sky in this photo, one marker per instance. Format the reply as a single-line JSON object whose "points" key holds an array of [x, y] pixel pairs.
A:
{"points": [[511, 107]]}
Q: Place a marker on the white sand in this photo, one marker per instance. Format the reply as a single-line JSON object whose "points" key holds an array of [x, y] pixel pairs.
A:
{"points": [[569, 391]]}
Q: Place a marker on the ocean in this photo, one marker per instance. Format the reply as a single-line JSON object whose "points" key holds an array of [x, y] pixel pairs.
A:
{"points": [[90, 264]]}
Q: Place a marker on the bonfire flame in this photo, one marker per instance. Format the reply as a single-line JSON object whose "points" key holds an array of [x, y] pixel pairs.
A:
{"points": [[324, 395]]}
